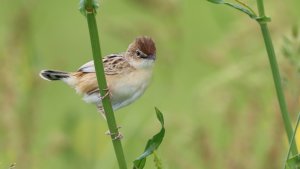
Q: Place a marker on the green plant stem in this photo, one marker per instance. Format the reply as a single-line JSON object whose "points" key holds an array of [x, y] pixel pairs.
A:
{"points": [[276, 76], [111, 121]]}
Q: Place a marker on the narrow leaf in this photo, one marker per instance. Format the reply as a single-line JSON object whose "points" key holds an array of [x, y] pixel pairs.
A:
{"points": [[216, 1], [242, 9], [152, 143], [160, 117], [139, 164], [236, 6], [293, 162]]}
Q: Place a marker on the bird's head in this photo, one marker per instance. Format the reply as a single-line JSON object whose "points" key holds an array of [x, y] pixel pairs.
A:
{"points": [[141, 53]]}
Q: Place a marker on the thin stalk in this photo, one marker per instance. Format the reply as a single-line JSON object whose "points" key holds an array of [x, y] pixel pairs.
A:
{"points": [[276, 76], [111, 121]]}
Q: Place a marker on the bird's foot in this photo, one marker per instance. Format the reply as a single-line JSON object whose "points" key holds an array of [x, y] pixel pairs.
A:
{"points": [[117, 135], [107, 93]]}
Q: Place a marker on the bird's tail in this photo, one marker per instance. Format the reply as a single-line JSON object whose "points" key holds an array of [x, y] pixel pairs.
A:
{"points": [[53, 75]]}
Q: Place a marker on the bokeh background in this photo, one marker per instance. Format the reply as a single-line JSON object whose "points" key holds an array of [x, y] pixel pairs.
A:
{"points": [[212, 81]]}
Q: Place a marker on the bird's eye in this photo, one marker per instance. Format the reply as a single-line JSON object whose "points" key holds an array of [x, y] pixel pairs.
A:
{"points": [[138, 53]]}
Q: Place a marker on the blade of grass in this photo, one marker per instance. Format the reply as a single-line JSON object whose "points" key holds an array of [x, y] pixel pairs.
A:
{"points": [[240, 6], [246, 6], [293, 138]]}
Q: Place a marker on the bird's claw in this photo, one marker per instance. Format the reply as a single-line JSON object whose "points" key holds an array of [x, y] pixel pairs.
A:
{"points": [[117, 135], [106, 94]]}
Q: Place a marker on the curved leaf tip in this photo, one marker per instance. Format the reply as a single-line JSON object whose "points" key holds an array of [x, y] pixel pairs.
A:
{"points": [[160, 116], [152, 144], [216, 1]]}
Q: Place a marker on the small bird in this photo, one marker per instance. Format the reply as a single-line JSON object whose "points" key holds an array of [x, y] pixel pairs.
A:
{"points": [[127, 74]]}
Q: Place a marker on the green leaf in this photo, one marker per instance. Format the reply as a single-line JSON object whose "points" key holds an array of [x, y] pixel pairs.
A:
{"points": [[152, 143], [294, 162], [216, 1], [243, 9], [160, 117]]}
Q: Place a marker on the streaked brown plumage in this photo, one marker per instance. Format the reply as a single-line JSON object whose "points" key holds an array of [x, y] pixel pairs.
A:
{"points": [[128, 74]]}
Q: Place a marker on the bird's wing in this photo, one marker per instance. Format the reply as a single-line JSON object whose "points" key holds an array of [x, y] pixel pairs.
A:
{"points": [[113, 64], [87, 67]]}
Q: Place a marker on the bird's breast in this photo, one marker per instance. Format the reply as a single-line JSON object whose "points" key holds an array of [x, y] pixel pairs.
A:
{"points": [[128, 87]]}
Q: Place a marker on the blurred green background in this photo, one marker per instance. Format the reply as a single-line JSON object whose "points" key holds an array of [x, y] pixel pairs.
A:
{"points": [[212, 81]]}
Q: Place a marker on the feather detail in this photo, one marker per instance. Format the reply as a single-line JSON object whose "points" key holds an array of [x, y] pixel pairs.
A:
{"points": [[85, 82], [53, 75]]}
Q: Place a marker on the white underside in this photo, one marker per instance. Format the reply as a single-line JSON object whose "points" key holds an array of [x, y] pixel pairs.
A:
{"points": [[95, 99], [125, 90]]}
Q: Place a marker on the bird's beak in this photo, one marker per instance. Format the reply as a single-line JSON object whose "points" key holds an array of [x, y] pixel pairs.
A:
{"points": [[152, 57]]}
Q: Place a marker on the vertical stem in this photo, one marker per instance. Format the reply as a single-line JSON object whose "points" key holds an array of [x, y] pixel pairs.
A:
{"points": [[276, 76], [261, 8], [111, 121]]}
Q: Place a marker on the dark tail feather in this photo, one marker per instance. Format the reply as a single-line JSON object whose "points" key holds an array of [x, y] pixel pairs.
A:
{"points": [[53, 75]]}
